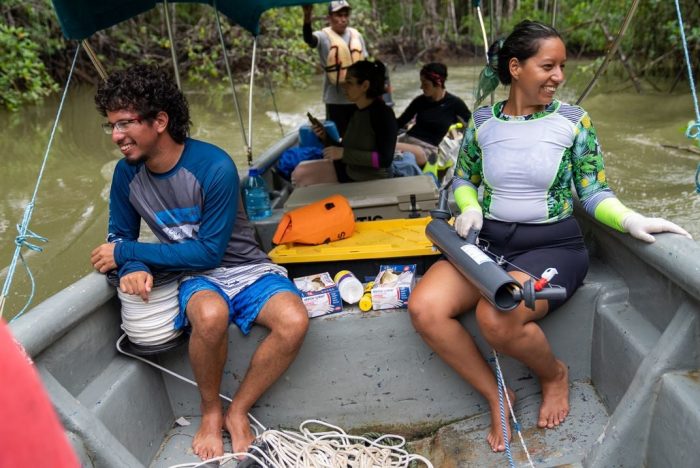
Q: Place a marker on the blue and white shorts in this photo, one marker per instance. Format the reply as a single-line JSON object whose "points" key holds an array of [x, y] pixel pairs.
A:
{"points": [[246, 289]]}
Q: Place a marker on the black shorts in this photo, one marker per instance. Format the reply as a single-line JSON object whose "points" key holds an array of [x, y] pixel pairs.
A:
{"points": [[535, 247]]}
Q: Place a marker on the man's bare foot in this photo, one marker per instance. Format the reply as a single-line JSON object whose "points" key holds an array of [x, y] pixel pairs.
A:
{"points": [[495, 436], [555, 398], [238, 426], [208, 442]]}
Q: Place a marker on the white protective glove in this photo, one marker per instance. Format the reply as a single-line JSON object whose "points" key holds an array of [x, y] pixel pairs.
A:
{"points": [[642, 228], [471, 218]]}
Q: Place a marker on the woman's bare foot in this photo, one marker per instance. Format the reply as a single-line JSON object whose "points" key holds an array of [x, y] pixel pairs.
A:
{"points": [[208, 442], [495, 436], [238, 426], [555, 398]]}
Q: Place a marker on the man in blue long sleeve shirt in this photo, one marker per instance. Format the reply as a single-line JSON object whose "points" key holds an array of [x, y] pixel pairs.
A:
{"points": [[187, 192]]}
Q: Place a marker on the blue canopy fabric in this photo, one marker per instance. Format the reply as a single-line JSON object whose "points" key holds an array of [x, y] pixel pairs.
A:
{"points": [[80, 19]]}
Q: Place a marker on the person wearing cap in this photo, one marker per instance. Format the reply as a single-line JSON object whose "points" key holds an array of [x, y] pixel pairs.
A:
{"points": [[339, 46]]}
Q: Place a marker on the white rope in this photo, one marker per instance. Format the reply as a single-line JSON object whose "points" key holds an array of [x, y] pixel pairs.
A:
{"points": [[332, 448], [151, 323]]}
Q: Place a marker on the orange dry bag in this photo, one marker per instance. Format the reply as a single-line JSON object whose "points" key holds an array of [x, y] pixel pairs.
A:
{"points": [[324, 221]]}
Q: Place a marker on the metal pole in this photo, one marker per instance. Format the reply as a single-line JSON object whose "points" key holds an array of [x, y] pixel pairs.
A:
{"points": [[250, 102], [492, 18], [172, 43], [94, 59], [274, 104], [483, 32], [230, 77]]}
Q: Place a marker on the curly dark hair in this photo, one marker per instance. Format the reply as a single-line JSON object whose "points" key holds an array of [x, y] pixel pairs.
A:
{"points": [[372, 71], [145, 90], [522, 43]]}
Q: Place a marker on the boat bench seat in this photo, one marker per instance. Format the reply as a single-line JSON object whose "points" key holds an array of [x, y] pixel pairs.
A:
{"points": [[379, 352]]}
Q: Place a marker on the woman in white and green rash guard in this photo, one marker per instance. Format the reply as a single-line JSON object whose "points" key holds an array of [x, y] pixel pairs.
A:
{"points": [[526, 151]]}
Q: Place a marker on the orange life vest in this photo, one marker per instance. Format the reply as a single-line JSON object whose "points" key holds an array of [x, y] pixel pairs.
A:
{"points": [[324, 221], [341, 54]]}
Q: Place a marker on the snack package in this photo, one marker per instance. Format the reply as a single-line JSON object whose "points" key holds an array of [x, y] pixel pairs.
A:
{"points": [[392, 286], [320, 294]]}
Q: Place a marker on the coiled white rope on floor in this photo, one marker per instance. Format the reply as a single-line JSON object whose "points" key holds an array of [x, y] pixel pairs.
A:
{"points": [[333, 448], [151, 323]]}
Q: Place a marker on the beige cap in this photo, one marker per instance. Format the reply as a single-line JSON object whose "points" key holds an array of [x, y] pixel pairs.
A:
{"points": [[338, 5]]}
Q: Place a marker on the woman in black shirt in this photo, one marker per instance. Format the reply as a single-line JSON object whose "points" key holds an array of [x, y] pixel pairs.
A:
{"points": [[434, 111]]}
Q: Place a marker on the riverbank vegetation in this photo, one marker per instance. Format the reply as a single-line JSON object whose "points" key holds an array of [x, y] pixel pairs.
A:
{"points": [[35, 57]]}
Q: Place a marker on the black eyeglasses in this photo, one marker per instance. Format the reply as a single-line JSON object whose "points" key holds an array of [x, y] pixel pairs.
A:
{"points": [[121, 125]]}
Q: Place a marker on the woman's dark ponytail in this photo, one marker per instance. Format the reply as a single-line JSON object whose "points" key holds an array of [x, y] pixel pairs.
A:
{"points": [[372, 71]]}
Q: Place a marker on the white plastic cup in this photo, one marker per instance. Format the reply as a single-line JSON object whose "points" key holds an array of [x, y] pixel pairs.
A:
{"points": [[350, 288]]}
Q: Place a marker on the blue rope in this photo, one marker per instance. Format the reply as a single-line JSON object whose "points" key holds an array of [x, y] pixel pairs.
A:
{"points": [[504, 420], [23, 227], [693, 130], [690, 74], [22, 241], [516, 425]]}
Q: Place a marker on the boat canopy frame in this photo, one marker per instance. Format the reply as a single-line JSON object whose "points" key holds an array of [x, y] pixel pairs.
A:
{"points": [[80, 19]]}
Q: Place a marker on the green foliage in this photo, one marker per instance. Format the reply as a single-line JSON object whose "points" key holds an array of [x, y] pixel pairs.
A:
{"points": [[285, 58], [393, 29], [23, 77]]}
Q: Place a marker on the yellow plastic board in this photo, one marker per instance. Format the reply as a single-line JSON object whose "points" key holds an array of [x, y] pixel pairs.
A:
{"points": [[372, 239]]}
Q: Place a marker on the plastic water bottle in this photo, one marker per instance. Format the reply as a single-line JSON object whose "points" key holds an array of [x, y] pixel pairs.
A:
{"points": [[257, 200], [351, 290]]}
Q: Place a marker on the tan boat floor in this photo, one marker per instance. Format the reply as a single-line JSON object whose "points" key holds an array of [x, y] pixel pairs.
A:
{"points": [[463, 444]]}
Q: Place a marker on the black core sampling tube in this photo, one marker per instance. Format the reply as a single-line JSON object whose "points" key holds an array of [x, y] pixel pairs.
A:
{"points": [[497, 286]]}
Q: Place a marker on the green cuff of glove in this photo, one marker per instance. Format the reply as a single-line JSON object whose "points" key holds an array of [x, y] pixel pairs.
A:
{"points": [[466, 198], [612, 212]]}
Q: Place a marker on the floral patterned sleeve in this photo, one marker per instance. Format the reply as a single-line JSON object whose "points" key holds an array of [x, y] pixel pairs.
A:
{"points": [[588, 167], [468, 168]]}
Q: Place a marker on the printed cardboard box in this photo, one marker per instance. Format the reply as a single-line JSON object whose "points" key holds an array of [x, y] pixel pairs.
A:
{"points": [[392, 286], [320, 294]]}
